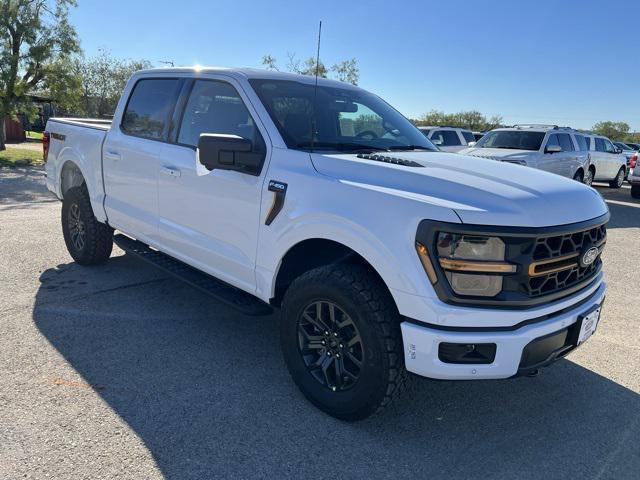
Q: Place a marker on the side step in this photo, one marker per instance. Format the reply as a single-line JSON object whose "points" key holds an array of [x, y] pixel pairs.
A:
{"points": [[225, 293]]}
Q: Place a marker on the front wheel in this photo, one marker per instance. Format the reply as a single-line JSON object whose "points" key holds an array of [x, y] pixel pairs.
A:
{"points": [[88, 241], [341, 340], [588, 178], [619, 180], [578, 177]]}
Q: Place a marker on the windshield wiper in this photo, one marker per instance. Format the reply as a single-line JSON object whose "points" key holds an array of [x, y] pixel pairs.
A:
{"points": [[352, 147], [410, 147]]}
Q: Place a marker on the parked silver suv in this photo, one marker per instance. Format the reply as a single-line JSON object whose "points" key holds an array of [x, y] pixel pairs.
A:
{"points": [[449, 139], [609, 162], [563, 151]]}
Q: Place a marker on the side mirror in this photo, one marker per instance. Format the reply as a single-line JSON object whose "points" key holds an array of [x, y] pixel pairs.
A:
{"points": [[617, 150], [553, 149], [436, 141], [228, 152], [471, 144]]}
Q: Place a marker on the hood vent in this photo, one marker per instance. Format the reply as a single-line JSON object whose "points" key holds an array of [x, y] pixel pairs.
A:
{"points": [[386, 159]]}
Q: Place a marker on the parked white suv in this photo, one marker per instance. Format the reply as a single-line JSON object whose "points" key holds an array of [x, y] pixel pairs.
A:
{"points": [[382, 254], [449, 139], [609, 161], [546, 147]]}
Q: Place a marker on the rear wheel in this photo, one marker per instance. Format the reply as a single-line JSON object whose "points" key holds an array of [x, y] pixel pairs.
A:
{"points": [[88, 241], [619, 180], [635, 191], [341, 340], [578, 177]]}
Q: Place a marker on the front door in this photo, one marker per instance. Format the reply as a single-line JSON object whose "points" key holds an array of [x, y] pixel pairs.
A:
{"points": [[552, 161], [211, 219]]}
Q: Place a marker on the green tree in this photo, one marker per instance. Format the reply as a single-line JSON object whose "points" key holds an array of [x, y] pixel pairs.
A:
{"points": [[269, 62], [345, 71], [103, 78], [614, 130], [36, 39], [473, 120]]}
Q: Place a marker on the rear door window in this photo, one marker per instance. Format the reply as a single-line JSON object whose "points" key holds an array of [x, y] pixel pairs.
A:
{"points": [[600, 145], [149, 108], [448, 138], [565, 142]]}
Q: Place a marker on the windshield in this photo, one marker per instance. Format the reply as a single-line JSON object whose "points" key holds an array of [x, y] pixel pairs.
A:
{"points": [[512, 139], [347, 120]]}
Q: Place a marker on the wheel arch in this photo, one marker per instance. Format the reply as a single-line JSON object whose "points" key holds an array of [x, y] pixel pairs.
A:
{"points": [[311, 253], [70, 176]]}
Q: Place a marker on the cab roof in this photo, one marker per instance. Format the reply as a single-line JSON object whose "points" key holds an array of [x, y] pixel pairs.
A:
{"points": [[247, 73]]}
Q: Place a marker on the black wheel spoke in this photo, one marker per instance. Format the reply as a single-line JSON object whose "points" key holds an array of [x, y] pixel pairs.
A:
{"points": [[330, 345], [354, 341], [355, 360]]}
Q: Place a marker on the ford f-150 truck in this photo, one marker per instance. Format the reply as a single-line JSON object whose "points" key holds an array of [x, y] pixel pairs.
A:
{"points": [[382, 254]]}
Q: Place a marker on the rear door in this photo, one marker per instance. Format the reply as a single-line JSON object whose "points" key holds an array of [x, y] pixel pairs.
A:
{"points": [[131, 154], [211, 220], [615, 160], [603, 167]]}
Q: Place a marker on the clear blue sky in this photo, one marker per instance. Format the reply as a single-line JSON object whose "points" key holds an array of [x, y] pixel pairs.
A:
{"points": [[569, 62]]}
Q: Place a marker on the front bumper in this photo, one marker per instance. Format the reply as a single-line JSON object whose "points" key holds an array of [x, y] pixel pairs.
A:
{"points": [[421, 344]]}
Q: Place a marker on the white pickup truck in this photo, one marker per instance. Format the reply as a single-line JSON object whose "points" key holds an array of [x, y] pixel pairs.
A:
{"points": [[382, 254]]}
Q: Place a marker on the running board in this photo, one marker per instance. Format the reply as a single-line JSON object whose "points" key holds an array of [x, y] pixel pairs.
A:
{"points": [[225, 293]]}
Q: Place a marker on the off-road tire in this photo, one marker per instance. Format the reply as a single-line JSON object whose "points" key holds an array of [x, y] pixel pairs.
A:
{"points": [[360, 294], [98, 237], [619, 180]]}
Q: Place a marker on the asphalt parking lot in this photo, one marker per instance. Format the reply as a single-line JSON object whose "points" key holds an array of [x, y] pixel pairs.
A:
{"points": [[120, 372]]}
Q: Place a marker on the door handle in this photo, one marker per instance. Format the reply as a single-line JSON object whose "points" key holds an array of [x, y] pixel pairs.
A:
{"points": [[171, 172], [112, 155]]}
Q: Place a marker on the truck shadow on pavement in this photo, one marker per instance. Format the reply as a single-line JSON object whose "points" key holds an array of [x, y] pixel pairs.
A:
{"points": [[208, 393], [23, 187]]}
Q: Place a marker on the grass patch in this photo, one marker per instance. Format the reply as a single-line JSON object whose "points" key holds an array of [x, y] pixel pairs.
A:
{"points": [[18, 157], [34, 136]]}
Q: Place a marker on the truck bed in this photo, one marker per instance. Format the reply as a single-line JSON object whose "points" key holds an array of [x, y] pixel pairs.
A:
{"points": [[101, 124]]}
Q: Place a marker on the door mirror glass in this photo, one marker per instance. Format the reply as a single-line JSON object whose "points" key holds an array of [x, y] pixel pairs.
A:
{"points": [[228, 152], [553, 149]]}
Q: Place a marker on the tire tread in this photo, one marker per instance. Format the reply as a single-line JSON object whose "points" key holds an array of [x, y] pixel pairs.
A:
{"points": [[380, 308]]}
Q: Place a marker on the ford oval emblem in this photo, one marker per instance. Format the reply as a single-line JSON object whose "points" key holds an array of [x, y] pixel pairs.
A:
{"points": [[589, 256]]}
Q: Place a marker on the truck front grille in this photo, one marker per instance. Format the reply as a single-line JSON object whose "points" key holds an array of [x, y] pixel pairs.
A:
{"points": [[556, 263]]}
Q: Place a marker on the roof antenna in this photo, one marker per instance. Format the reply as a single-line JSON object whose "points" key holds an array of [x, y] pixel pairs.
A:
{"points": [[315, 88]]}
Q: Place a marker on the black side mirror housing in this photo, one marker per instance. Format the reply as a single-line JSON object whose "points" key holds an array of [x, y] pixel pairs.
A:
{"points": [[229, 152]]}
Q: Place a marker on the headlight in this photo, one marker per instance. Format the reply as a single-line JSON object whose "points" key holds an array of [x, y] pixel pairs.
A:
{"points": [[473, 265]]}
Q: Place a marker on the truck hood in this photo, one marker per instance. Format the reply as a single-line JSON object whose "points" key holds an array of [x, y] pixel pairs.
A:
{"points": [[480, 191], [501, 154]]}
